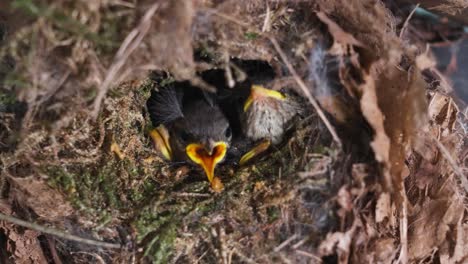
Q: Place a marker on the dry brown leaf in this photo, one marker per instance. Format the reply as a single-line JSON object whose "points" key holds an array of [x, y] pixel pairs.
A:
{"points": [[384, 250], [43, 200], [339, 35], [430, 226], [455, 248], [383, 208], [345, 199], [426, 174], [443, 111], [22, 245], [402, 101], [339, 242], [374, 28], [374, 116], [172, 38]]}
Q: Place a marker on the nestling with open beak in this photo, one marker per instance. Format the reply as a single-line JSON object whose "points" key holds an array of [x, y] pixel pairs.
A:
{"points": [[189, 127]]}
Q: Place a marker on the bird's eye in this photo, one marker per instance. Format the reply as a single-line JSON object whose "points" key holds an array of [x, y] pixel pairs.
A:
{"points": [[184, 136], [228, 132]]}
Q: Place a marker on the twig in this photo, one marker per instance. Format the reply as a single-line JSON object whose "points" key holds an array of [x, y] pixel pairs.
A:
{"points": [[306, 91], [300, 243], [310, 255], [403, 225], [57, 233], [285, 243], [267, 21], [228, 73], [128, 46], [189, 194], [53, 251], [200, 258], [452, 163], [405, 25]]}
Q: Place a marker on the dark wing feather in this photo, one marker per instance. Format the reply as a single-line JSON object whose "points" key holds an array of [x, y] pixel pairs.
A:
{"points": [[164, 106]]}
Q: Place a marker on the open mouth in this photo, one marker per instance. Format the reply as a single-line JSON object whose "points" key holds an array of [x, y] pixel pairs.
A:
{"points": [[206, 159]]}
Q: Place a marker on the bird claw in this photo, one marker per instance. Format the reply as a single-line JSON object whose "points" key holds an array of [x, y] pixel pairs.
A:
{"points": [[160, 137], [255, 151]]}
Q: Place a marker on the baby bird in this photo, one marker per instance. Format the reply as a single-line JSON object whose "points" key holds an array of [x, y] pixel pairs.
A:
{"points": [[189, 127]]}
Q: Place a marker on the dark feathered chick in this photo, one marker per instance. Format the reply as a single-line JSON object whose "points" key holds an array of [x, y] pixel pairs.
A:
{"points": [[189, 127]]}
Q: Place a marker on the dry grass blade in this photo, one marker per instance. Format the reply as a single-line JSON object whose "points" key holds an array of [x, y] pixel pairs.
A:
{"points": [[314, 259], [57, 233], [405, 25], [285, 243], [403, 226], [306, 91], [129, 45]]}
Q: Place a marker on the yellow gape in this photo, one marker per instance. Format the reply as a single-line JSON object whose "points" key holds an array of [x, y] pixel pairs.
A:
{"points": [[255, 151], [160, 138], [208, 160], [257, 92]]}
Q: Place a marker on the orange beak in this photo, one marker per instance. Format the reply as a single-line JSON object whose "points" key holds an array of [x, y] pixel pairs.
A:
{"points": [[258, 92], [254, 152], [208, 160], [160, 137]]}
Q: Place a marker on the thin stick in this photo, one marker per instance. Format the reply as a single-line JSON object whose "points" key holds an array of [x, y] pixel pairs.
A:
{"points": [[266, 22], [306, 91], [405, 25], [57, 233], [403, 225], [300, 243], [188, 194], [310, 255], [285, 243], [128, 46]]}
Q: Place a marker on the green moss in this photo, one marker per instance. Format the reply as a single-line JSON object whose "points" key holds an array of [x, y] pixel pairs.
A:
{"points": [[251, 35], [61, 179], [273, 213], [101, 189], [144, 91], [160, 246], [65, 23], [167, 81], [7, 99], [206, 52], [321, 149]]}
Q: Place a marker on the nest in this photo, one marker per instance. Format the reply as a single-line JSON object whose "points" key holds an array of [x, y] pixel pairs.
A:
{"points": [[373, 173]]}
